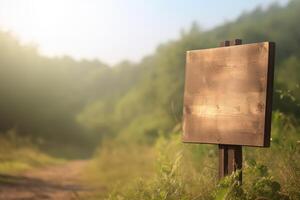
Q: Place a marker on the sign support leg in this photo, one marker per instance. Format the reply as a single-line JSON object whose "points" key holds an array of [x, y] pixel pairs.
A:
{"points": [[230, 156], [230, 160]]}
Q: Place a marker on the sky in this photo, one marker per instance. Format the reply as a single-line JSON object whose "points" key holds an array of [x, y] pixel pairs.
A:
{"points": [[112, 30]]}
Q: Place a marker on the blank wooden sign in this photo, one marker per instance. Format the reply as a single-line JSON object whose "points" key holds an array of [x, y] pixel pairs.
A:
{"points": [[228, 95]]}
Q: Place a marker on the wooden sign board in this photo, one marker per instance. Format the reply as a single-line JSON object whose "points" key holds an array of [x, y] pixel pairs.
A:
{"points": [[228, 95]]}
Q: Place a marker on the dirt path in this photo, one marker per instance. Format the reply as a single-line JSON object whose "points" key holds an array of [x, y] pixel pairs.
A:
{"points": [[57, 182]]}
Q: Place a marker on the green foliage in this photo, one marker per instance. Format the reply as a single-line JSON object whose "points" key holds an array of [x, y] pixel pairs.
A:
{"points": [[115, 164], [230, 188], [153, 105], [178, 178], [168, 183], [261, 184], [59, 99], [49, 99], [258, 185], [283, 158], [73, 105], [185, 171]]}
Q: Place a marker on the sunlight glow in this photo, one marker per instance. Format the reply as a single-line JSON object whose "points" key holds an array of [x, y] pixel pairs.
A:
{"points": [[56, 26], [111, 30]]}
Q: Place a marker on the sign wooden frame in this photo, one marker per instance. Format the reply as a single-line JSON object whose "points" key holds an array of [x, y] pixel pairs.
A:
{"points": [[230, 155], [228, 95]]}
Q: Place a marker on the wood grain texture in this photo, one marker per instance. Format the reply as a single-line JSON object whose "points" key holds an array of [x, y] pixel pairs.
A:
{"points": [[228, 94]]}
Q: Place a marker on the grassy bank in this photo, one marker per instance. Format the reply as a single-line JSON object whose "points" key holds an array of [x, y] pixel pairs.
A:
{"points": [[19, 154], [185, 171]]}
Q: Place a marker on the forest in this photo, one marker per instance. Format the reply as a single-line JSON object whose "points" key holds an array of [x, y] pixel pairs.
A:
{"points": [[126, 119]]}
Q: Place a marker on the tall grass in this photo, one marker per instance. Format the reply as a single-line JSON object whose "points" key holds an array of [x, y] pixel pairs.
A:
{"points": [[18, 154], [115, 165], [185, 171]]}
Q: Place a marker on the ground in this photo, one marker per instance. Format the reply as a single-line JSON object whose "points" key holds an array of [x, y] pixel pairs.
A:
{"points": [[61, 182]]}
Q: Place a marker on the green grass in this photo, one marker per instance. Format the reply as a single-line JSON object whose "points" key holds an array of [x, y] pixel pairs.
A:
{"points": [[115, 165], [19, 154], [186, 171]]}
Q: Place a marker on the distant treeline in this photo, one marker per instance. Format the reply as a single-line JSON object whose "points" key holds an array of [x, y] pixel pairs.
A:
{"points": [[61, 100]]}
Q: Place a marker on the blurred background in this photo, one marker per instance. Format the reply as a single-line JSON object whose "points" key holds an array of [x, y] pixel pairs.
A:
{"points": [[102, 82]]}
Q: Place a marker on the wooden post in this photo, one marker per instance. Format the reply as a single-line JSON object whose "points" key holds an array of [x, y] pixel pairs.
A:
{"points": [[230, 156]]}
